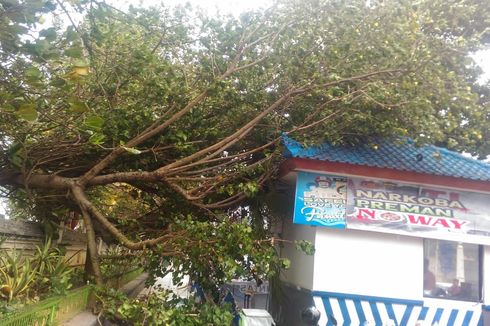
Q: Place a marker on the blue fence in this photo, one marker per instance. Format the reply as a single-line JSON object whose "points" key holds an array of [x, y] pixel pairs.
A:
{"points": [[348, 309]]}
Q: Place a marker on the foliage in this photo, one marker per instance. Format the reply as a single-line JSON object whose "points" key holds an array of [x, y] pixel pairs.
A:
{"points": [[160, 308], [217, 253], [118, 260], [16, 276], [24, 279], [305, 246], [54, 276], [163, 125]]}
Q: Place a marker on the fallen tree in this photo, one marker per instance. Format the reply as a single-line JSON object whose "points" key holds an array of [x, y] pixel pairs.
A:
{"points": [[160, 126]]}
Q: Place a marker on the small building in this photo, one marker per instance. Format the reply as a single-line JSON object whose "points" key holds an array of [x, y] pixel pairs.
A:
{"points": [[401, 232]]}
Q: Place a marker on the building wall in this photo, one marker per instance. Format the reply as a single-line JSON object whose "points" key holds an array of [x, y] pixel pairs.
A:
{"points": [[368, 263], [24, 237], [378, 278], [301, 271], [288, 302]]}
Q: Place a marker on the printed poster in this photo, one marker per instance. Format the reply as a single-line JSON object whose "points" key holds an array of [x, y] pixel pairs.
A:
{"points": [[421, 211], [320, 200]]}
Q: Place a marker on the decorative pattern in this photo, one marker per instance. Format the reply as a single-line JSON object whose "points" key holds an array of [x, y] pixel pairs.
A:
{"points": [[342, 309], [400, 154]]}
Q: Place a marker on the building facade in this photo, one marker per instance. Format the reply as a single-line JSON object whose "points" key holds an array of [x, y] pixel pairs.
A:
{"points": [[402, 235]]}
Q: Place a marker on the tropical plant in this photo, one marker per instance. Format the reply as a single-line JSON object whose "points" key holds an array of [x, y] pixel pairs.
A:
{"points": [[24, 278], [60, 277], [53, 274], [16, 276], [45, 256]]}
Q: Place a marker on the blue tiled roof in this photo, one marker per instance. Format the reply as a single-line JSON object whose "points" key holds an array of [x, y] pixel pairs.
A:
{"points": [[401, 154]]}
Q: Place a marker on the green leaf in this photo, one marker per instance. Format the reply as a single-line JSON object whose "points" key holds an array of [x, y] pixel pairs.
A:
{"points": [[74, 52], [132, 150], [58, 82], [81, 64], [49, 34], [305, 246], [97, 138], [181, 135], [41, 47], [17, 29], [335, 91], [28, 112], [94, 122], [78, 106], [71, 34], [33, 73], [286, 263]]}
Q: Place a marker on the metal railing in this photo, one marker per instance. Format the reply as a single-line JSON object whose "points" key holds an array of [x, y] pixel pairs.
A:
{"points": [[56, 310], [51, 311]]}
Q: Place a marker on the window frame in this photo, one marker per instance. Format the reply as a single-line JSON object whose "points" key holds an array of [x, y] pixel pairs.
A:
{"points": [[480, 257]]}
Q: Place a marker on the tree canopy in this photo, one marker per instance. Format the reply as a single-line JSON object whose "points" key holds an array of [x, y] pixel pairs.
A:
{"points": [[162, 126]]}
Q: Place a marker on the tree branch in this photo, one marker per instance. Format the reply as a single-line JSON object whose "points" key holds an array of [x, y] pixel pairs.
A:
{"points": [[85, 204]]}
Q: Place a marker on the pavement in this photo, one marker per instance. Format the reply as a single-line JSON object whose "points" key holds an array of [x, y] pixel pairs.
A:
{"points": [[131, 289]]}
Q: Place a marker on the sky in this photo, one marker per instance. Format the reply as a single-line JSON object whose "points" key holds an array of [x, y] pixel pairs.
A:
{"points": [[482, 58]]}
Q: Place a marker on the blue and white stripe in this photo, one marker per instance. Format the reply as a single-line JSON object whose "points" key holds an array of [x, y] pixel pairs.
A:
{"points": [[350, 309]]}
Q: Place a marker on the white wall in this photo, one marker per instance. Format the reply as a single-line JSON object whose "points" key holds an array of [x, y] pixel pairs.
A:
{"points": [[486, 275], [301, 271], [368, 263]]}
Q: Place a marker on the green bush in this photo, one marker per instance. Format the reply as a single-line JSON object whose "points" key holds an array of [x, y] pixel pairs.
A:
{"points": [[25, 279], [16, 276], [160, 308]]}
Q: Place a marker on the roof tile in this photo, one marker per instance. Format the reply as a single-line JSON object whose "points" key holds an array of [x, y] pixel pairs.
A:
{"points": [[401, 154]]}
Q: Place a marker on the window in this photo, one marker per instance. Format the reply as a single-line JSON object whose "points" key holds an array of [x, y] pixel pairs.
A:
{"points": [[452, 270]]}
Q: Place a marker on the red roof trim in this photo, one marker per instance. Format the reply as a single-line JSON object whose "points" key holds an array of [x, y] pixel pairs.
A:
{"points": [[294, 164]]}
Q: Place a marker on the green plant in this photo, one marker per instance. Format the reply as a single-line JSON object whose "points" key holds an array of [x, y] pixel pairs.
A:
{"points": [[45, 256], [25, 278], [16, 276], [160, 308], [53, 273], [60, 277], [77, 277], [119, 260]]}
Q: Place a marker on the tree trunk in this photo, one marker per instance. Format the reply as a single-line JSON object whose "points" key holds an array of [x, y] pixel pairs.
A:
{"points": [[92, 254]]}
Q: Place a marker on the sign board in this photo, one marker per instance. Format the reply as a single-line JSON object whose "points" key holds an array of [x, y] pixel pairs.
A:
{"points": [[250, 287], [421, 211], [392, 207], [320, 200], [246, 294]]}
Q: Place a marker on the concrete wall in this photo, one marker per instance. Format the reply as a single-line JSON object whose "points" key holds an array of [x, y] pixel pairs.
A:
{"points": [[287, 303], [301, 271], [25, 236], [368, 263], [486, 276]]}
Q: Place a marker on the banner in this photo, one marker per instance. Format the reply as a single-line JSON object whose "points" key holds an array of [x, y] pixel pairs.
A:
{"points": [[418, 211], [320, 200]]}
